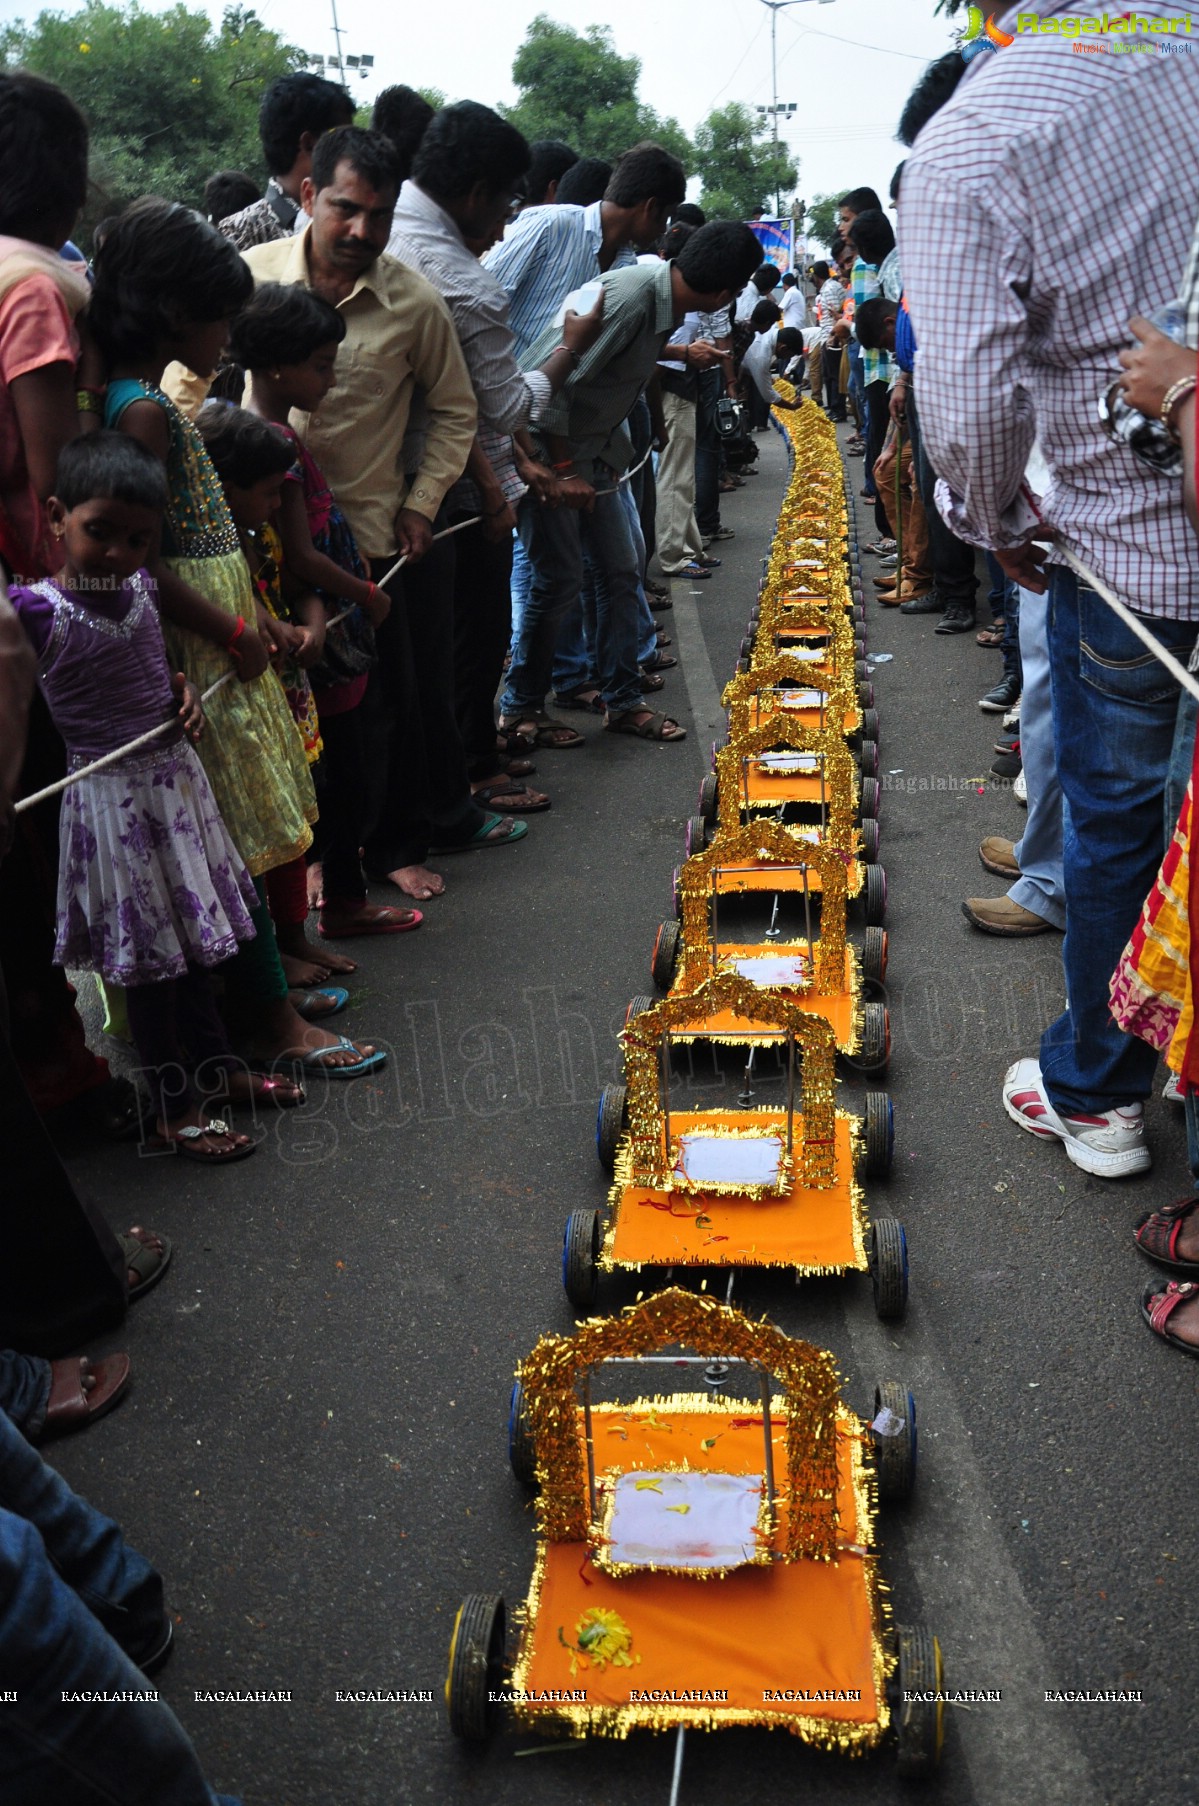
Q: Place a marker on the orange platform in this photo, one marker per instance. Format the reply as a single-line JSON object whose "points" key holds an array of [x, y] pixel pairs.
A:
{"points": [[837, 1007]]}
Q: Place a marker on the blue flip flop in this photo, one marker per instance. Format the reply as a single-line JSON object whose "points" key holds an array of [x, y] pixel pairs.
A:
{"points": [[314, 1058], [335, 993], [479, 842]]}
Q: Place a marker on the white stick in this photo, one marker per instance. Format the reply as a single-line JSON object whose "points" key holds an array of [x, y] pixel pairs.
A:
{"points": [[1131, 621], [111, 758]]}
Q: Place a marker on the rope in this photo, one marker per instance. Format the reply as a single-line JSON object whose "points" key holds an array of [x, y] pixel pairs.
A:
{"points": [[132, 746]]}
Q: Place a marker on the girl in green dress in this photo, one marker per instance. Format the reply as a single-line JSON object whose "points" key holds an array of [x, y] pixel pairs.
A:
{"points": [[167, 287]]}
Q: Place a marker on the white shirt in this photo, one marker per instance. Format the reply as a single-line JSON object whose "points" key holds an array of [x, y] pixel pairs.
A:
{"points": [[795, 307]]}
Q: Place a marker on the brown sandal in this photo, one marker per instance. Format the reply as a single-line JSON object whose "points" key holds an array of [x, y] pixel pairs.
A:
{"points": [[554, 735], [651, 727], [1156, 1235]]}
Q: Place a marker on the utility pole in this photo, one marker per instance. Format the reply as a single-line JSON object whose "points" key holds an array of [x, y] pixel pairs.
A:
{"points": [[776, 7]]}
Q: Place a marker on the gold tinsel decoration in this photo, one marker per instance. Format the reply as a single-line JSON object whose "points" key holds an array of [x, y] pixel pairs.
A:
{"points": [[841, 776], [808, 1375], [753, 688], [652, 1163]]}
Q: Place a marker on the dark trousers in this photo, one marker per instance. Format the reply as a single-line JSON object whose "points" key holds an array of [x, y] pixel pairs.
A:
{"points": [[176, 1027], [482, 631], [877, 416], [952, 560], [340, 775], [62, 1278], [707, 453], [421, 793], [834, 398]]}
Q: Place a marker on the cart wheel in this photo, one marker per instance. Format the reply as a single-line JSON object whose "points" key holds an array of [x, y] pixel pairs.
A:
{"points": [[868, 759], [747, 646], [742, 665], [521, 1456], [866, 696], [476, 1665], [696, 837], [875, 1055], [870, 842], [889, 1268], [868, 807], [666, 953], [874, 954], [580, 1255], [859, 670], [870, 722], [859, 647], [610, 1124], [638, 1006], [876, 895], [919, 1723], [708, 797], [895, 1456], [880, 1132]]}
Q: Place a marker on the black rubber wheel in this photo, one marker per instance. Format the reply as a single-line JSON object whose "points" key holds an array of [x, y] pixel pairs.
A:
{"points": [[870, 722], [876, 895], [666, 953], [880, 1134], [875, 1055], [874, 954], [870, 841], [889, 1267], [919, 1723], [868, 807], [895, 1456], [747, 646], [695, 839], [859, 647], [709, 794], [521, 1455], [610, 1124], [580, 1259], [638, 1006], [866, 697], [742, 665], [476, 1666], [859, 670], [868, 758]]}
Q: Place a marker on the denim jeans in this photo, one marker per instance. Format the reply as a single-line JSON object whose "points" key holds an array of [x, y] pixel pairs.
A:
{"points": [[1038, 852], [522, 584], [558, 541], [575, 662], [1114, 714], [72, 1592], [707, 452], [1003, 598], [24, 1391]]}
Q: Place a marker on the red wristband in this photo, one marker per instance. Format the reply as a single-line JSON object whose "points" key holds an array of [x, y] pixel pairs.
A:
{"points": [[231, 646]]}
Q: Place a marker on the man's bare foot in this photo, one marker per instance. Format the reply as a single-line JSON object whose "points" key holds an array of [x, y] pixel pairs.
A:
{"points": [[417, 882], [316, 880], [307, 964], [286, 1036]]}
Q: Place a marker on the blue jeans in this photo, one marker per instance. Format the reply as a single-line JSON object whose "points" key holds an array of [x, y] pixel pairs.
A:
{"points": [[522, 584], [24, 1391], [558, 542], [1114, 714], [72, 1592], [1039, 850], [1004, 600], [575, 666]]}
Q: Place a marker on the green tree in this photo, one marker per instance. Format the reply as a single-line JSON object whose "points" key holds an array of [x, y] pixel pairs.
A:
{"points": [[576, 86], [822, 218], [168, 97], [742, 170]]}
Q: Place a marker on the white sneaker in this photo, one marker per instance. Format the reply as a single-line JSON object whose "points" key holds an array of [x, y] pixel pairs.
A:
{"points": [[1012, 718], [1020, 789], [1172, 1090], [1110, 1143]]}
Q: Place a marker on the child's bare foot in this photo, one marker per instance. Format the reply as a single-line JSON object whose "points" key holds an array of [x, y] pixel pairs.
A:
{"points": [[347, 918], [203, 1137], [304, 963], [417, 881], [316, 879]]}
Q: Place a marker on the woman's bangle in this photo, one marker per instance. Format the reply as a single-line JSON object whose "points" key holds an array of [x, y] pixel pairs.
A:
{"points": [[576, 357], [561, 469], [1174, 394], [231, 646]]}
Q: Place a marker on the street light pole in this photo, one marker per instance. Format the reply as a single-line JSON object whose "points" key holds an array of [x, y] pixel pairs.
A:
{"points": [[776, 7]]}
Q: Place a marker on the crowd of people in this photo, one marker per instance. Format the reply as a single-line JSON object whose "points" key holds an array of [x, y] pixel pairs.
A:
{"points": [[321, 507]]}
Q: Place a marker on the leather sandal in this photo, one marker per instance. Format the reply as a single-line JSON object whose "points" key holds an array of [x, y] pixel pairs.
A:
{"points": [[72, 1406], [1156, 1235], [1157, 1315]]}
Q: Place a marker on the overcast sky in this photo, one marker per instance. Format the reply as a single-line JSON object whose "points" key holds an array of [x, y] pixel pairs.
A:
{"points": [[695, 54]]}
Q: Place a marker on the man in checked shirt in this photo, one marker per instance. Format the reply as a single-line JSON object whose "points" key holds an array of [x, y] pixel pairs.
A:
{"points": [[1024, 260]]}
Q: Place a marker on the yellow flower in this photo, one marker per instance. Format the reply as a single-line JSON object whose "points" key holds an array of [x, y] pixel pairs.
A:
{"points": [[86, 49], [604, 1637]]}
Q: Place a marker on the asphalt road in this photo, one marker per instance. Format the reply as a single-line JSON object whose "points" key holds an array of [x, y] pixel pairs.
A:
{"points": [[314, 1451]]}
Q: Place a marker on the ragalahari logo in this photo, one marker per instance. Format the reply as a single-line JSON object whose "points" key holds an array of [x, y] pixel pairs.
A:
{"points": [[981, 37]]}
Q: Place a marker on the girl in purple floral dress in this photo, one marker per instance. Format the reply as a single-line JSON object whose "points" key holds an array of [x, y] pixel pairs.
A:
{"points": [[152, 892]]}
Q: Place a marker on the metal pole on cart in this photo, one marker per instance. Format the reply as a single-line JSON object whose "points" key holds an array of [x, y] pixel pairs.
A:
{"points": [[677, 1776]]}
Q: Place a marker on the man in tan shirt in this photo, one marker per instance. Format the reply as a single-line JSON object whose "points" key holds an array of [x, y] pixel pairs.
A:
{"points": [[400, 338]]}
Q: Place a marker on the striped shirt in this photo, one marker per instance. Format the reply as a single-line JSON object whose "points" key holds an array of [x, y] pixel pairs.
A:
{"points": [[864, 285], [1049, 200], [829, 303], [546, 253], [591, 408]]}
